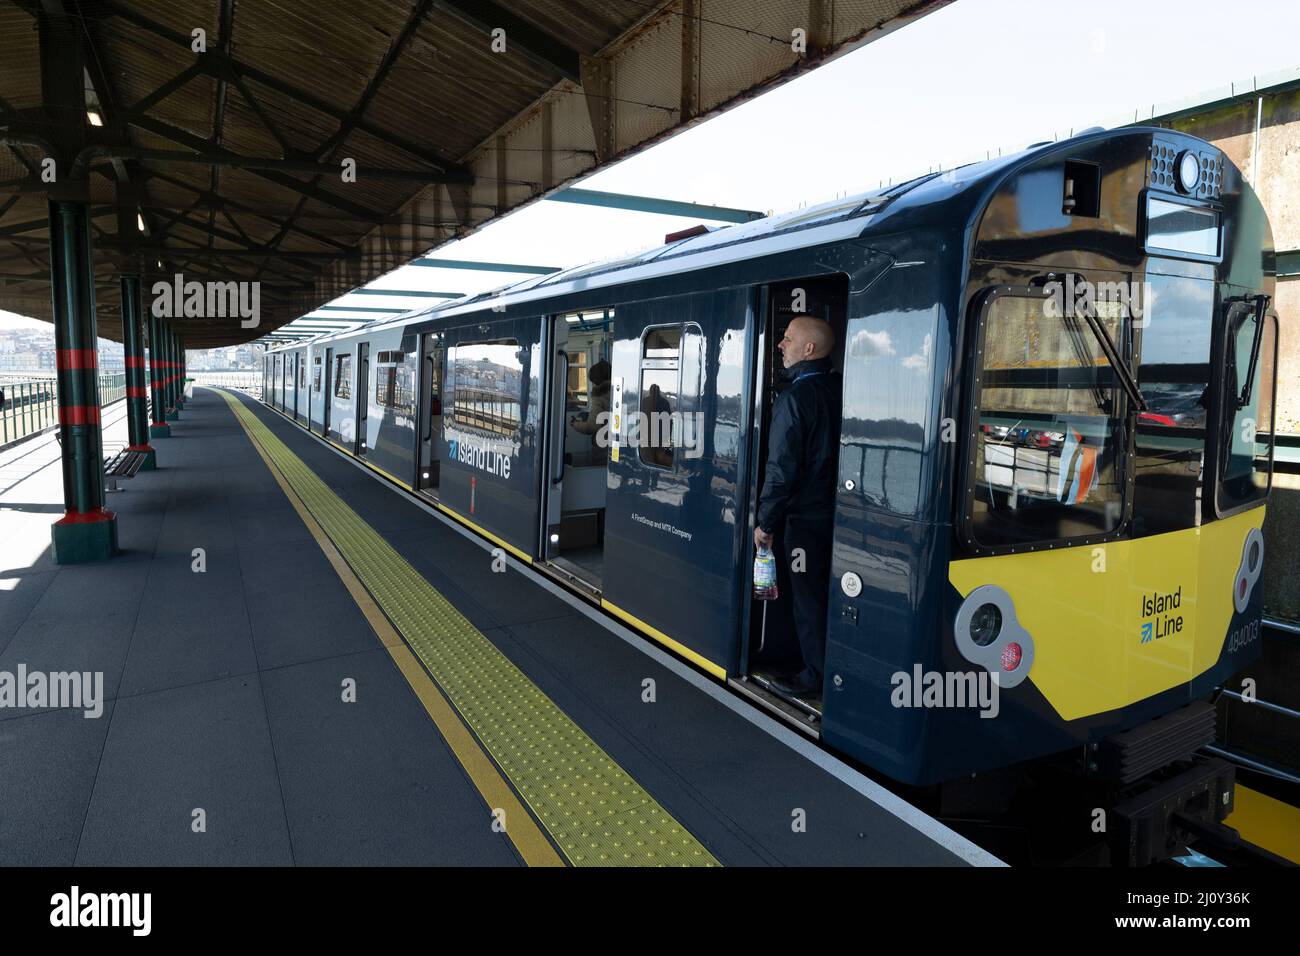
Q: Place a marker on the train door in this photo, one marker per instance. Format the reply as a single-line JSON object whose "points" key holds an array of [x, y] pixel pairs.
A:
{"points": [[674, 530], [431, 365], [314, 395], [304, 391], [293, 382], [363, 398], [326, 399], [579, 403], [772, 644]]}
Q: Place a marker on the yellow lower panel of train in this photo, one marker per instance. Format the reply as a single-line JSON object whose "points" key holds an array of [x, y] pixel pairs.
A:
{"points": [[1086, 608]]}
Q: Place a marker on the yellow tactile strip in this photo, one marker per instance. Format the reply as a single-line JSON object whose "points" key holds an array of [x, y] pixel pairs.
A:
{"points": [[1267, 822], [593, 810]]}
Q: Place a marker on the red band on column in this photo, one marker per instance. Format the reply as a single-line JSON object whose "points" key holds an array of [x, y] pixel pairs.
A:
{"points": [[135, 391], [134, 361], [78, 415], [70, 359]]}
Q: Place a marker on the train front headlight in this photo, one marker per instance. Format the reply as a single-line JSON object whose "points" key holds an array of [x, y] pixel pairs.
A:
{"points": [[989, 634], [1189, 171], [985, 624]]}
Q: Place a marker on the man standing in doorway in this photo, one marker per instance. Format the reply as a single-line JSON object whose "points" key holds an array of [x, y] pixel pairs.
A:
{"points": [[798, 495]]}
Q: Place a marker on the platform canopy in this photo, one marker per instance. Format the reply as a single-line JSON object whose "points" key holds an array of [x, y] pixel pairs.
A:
{"points": [[311, 146]]}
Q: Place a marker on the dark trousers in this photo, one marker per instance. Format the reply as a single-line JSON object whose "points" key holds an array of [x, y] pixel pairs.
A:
{"points": [[809, 588]]}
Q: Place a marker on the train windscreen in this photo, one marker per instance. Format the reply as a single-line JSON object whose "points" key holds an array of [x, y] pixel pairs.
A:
{"points": [[1049, 444]]}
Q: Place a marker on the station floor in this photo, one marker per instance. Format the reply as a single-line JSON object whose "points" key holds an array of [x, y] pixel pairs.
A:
{"points": [[347, 681]]}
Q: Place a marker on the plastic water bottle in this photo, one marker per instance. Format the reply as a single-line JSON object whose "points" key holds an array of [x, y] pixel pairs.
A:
{"points": [[765, 575]]}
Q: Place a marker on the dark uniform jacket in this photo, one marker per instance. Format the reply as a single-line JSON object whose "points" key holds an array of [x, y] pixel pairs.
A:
{"points": [[800, 479]]}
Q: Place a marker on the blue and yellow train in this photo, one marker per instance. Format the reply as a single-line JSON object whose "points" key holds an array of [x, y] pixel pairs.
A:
{"points": [[1059, 371]]}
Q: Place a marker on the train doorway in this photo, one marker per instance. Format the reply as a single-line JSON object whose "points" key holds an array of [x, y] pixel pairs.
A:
{"points": [[327, 402], [573, 541], [431, 366], [772, 647]]}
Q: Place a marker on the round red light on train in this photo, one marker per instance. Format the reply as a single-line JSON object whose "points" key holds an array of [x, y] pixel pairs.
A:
{"points": [[1011, 655]]}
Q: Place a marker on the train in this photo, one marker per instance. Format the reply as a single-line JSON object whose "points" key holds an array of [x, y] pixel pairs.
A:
{"points": [[1059, 369]]}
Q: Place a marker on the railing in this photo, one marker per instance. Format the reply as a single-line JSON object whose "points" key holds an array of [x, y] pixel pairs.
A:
{"points": [[246, 381], [32, 406], [112, 388]]}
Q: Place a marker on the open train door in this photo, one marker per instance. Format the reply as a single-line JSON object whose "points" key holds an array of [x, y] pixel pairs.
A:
{"points": [[576, 475], [327, 402], [771, 646]]}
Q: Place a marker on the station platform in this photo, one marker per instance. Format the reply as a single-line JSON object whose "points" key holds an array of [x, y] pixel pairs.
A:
{"points": [[302, 665]]}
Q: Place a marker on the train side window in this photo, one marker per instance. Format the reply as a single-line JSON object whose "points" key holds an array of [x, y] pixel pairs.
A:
{"points": [[1047, 454], [385, 385], [315, 374], [343, 376], [486, 380], [392, 381], [672, 373]]}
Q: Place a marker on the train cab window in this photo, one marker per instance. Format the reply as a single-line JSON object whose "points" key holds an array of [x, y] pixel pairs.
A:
{"points": [[1047, 451], [486, 380], [343, 376], [1173, 374], [1249, 392]]}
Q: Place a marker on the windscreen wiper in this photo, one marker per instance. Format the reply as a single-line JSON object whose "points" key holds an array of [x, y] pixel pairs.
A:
{"points": [[1261, 307], [1084, 355], [1121, 370]]}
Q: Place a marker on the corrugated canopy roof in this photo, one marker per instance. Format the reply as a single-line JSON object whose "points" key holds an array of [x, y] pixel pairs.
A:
{"points": [[232, 157]]}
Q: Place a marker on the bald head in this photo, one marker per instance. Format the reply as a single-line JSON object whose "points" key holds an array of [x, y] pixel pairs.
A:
{"points": [[806, 337]]}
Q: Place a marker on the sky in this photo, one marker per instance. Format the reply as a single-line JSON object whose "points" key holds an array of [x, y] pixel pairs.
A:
{"points": [[975, 77]]}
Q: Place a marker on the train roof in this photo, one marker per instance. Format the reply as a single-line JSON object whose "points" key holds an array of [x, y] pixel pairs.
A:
{"points": [[831, 221]]}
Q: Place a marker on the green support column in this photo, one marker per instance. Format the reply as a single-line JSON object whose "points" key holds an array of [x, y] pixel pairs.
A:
{"points": [[158, 428], [87, 531], [137, 412], [180, 373], [169, 337]]}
